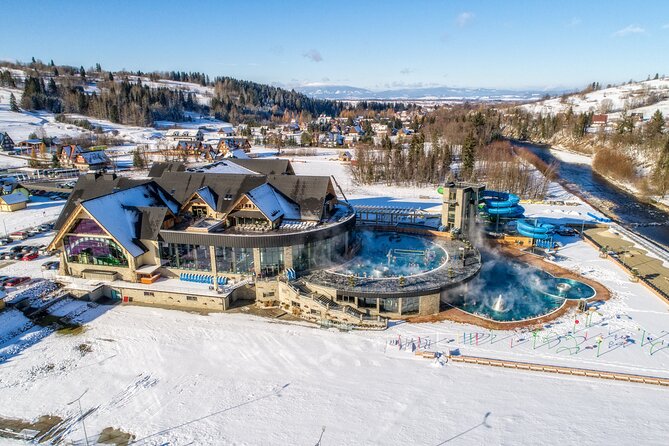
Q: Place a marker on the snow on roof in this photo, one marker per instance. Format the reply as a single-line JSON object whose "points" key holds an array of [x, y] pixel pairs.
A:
{"points": [[225, 167], [95, 157], [118, 212], [207, 196], [272, 203], [182, 132], [237, 153], [16, 197]]}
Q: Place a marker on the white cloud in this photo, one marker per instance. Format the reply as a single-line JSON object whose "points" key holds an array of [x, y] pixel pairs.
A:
{"points": [[313, 55], [666, 26], [629, 30], [575, 21], [405, 71], [464, 18]]}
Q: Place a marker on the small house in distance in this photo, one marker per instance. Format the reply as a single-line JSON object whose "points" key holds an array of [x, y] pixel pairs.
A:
{"points": [[13, 202], [192, 135], [6, 143]]}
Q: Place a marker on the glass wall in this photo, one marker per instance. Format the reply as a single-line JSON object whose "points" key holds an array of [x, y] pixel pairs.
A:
{"points": [[390, 305], [185, 256], [320, 253], [94, 251], [234, 260], [87, 226], [410, 305], [271, 261]]}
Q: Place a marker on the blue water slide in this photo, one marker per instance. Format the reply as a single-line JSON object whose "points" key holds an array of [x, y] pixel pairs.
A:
{"points": [[535, 228], [502, 204]]}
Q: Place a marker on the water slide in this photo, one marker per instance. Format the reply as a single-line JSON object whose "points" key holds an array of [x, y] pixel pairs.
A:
{"points": [[502, 204], [535, 229]]}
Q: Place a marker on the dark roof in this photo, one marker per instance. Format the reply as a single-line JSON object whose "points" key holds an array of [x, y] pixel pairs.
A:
{"points": [[227, 187], [309, 192], [150, 221], [266, 166], [93, 186], [157, 169]]}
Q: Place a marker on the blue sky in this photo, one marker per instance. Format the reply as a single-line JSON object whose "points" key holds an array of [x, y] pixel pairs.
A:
{"points": [[371, 44]]}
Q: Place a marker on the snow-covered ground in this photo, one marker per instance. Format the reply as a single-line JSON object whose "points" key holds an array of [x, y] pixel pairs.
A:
{"points": [[614, 99]]}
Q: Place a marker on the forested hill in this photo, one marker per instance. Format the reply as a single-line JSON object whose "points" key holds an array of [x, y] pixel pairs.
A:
{"points": [[138, 98]]}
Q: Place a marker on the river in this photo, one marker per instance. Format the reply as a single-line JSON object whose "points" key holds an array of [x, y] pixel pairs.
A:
{"points": [[619, 205]]}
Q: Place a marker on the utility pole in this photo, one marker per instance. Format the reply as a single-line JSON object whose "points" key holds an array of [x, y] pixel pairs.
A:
{"points": [[81, 414]]}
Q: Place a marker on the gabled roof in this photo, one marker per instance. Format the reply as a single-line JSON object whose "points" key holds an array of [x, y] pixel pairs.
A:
{"points": [[130, 217], [309, 192], [227, 187], [95, 157], [208, 196], [91, 186], [272, 203], [16, 197]]}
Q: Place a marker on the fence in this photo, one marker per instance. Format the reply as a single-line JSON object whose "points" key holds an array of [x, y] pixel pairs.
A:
{"points": [[562, 370]]}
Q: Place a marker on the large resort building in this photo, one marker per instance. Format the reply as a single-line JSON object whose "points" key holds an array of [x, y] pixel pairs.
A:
{"points": [[248, 229]]}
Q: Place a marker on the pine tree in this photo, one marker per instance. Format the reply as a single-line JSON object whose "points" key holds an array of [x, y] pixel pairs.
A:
{"points": [[82, 72], [468, 156], [137, 160], [656, 124], [13, 106], [55, 162]]}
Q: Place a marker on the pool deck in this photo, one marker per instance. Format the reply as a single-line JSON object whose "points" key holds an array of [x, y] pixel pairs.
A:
{"points": [[456, 315], [429, 282]]}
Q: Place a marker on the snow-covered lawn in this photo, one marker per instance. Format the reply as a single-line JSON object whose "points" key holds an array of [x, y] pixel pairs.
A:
{"points": [[40, 210], [169, 376]]}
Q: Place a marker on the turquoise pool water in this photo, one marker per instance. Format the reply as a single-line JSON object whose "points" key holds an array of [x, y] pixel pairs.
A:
{"points": [[390, 254], [507, 290]]}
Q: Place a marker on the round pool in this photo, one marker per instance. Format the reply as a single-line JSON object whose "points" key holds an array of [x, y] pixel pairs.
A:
{"points": [[507, 290], [391, 255]]}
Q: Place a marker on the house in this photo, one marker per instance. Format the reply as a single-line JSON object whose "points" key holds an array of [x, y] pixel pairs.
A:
{"points": [[83, 159], [92, 160], [30, 147], [13, 202], [231, 143], [600, 120], [68, 153], [6, 143], [192, 135]]}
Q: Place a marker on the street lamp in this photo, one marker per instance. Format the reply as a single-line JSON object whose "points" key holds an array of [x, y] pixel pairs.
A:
{"points": [[81, 414]]}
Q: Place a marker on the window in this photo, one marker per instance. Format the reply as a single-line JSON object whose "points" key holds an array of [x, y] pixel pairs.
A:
{"points": [[191, 298], [185, 256], [94, 251], [271, 261]]}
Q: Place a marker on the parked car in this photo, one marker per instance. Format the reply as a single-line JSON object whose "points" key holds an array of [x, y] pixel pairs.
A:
{"points": [[17, 281], [6, 240], [44, 228], [15, 249], [3, 279], [51, 265], [26, 248], [18, 256], [3, 241], [6, 255], [18, 235], [30, 256]]}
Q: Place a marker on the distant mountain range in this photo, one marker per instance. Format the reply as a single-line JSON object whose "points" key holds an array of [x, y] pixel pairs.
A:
{"points": [[346, 92]]}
